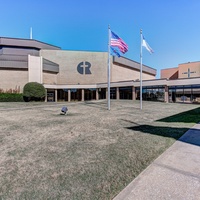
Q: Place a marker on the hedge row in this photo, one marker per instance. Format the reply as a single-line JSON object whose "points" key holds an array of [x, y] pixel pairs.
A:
{"points": [[32, 91], [10, 97]]}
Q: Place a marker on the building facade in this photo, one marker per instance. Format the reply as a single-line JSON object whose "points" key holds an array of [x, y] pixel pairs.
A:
{"points": [[82, 75], [20, 63], [66, 75], [184, 70]]}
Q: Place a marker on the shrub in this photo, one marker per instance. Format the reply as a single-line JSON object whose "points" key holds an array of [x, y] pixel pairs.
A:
{"points": [[34, 91], [11, 97]]}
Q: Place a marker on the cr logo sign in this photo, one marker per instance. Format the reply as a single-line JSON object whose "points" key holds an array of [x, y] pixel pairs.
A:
{"points": [[84, 68]]}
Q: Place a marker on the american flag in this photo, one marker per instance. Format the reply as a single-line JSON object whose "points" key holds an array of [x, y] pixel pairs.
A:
{"points": [[116, 41]]}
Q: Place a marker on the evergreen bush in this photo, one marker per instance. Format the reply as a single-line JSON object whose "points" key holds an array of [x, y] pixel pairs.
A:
{"points": [[34, 91]]}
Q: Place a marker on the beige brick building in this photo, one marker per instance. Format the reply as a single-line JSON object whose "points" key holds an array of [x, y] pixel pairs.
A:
{"points": [[185, 70], [83, 75], [63, 73]]}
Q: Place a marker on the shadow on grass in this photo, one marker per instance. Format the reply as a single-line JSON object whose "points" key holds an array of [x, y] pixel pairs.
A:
{"points": [[191, 116], [192, 136], [175, 133]]}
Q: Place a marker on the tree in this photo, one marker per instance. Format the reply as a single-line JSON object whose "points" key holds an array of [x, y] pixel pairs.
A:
{"points": [[34, 91]]}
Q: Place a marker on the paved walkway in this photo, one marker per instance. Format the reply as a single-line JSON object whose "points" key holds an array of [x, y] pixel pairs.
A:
{"points": [[173, 175]]}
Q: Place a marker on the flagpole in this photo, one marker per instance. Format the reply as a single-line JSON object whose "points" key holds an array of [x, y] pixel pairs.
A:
{"points": [[141, 70], [108, 67]]}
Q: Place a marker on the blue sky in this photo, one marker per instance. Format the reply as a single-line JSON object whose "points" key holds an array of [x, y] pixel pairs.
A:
{"points": [[171, 27]]}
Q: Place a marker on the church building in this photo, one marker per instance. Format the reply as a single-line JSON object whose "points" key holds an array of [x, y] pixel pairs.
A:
{"points": [[82, 75]]}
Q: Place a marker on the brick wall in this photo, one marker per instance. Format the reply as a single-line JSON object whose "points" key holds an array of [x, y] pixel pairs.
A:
{"points": [[10, 79]]}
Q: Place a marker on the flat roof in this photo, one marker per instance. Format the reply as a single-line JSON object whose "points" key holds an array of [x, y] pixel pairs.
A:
{"points": [[169, 68], [21, 42], [189, 62]]}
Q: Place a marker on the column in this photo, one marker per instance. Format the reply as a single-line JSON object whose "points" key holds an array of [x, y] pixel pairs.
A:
{"points": [[97, 93], [166, 94], [69, 95], [56, 95], [133, 93], [45, 95], [117, 93], [106, 93], [82, 95]]}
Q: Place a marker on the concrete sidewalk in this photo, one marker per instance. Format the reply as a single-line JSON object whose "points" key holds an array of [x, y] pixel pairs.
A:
{"points": [[173, 175]]}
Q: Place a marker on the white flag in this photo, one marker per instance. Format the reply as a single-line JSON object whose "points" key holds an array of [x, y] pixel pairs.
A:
{"points": [[146, 45]]}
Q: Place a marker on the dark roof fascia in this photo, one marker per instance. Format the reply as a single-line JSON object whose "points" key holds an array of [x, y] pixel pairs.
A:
{"points": [[134, 61], [49, 66], [122, 61], [21, 42]]}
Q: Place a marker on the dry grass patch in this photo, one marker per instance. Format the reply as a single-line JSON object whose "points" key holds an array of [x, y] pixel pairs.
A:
{"points": [[91, 153]]}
